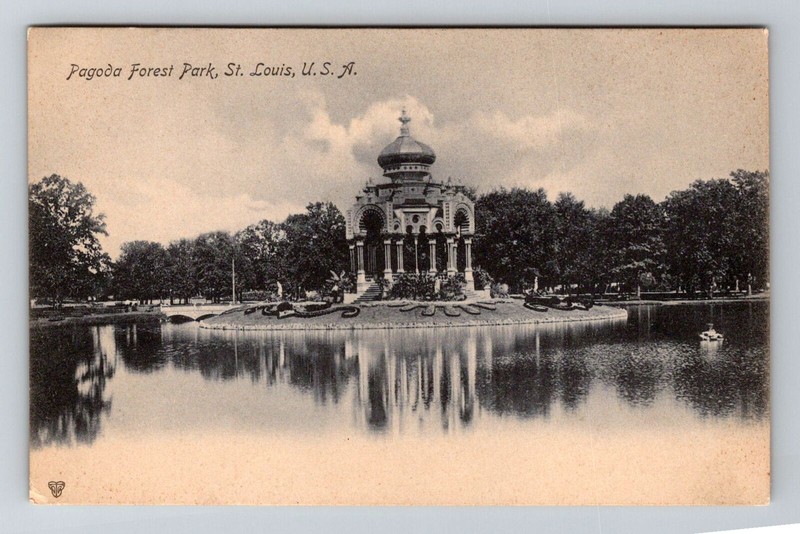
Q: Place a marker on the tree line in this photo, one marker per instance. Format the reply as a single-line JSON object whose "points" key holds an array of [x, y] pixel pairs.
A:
{"points": [[298, 253], [714, 234]]}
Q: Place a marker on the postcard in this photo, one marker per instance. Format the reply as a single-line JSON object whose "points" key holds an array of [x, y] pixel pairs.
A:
{"points": [[398, 266]]}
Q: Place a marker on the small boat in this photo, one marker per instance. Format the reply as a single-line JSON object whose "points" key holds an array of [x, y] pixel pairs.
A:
{"points": [[711, 334]]}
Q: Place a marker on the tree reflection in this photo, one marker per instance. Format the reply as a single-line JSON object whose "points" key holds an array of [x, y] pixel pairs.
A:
{"points": [[140, 347], [70, 370], [637, 378], [396, 381], [723, 386], [316, 365], [575, 381]]}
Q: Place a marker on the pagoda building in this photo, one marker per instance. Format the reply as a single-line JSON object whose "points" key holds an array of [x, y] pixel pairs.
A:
{"points": [[408, 222]]}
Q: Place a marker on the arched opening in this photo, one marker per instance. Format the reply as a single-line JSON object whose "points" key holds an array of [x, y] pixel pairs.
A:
{"points": [[371, 225], [441, 249], [461, 255], [409, 257], [423, 250], [461, 223], [180, 319]]}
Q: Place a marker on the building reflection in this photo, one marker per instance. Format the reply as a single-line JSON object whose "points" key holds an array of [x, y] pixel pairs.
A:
{"points": [[434, 381], [399, 381]]}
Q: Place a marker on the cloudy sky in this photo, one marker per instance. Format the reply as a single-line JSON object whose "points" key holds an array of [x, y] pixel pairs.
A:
{"points": [[599, 113]]}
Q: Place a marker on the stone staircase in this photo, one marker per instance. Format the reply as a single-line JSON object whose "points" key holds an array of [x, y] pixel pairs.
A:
{"points": [[373, 292], [470, 294]]}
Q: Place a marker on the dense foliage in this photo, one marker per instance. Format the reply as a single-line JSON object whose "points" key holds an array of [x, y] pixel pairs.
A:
{"points": [[423, 286], [299, 254], [516, 238], [713, 235], [66, 260], [413, 287]]}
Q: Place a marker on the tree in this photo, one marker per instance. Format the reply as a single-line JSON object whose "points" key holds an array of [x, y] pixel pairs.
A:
{"points": [[601, 255], [214, 256], [258, 244], [635, 237], [181, 282], [313, 244], [66, 258], [717, 231], [142, 271], [516, 236], [574, 236], [750, 259]]}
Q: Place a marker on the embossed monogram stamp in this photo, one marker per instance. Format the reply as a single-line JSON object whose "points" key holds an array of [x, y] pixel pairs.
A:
{"points": [[56, 488]]}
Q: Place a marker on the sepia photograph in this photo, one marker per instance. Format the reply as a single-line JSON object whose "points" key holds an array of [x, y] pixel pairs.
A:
{"points": [[383, 266]]}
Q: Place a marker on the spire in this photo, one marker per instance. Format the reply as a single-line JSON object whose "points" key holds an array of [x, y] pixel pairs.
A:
{"points": [[404, 119]]}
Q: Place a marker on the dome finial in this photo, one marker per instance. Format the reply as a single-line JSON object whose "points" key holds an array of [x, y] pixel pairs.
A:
{"points": [[404, 119]]}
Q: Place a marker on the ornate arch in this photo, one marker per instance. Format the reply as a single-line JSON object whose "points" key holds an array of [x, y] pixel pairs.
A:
{"points": [[467, 225], [361, 213]]}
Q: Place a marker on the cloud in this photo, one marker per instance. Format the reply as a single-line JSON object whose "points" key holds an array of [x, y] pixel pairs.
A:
{"points": [[485, 149], [166, 210], [530, 132], [184, 173]]}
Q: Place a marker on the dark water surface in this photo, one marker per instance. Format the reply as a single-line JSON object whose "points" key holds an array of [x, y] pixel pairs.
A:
{"points": [[88, 383]]}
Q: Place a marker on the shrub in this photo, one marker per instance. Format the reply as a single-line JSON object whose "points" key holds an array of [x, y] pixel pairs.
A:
{"points": [[483, 279], [258, 295], [385, 287], [424, 287], [452, 288], [413, 287], [344, 282], [499, 291]]}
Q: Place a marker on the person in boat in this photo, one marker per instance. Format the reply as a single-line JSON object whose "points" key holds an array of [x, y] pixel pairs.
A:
{"points": [[711, 334]]}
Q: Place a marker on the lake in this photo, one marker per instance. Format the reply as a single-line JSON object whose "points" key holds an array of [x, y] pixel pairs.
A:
{"points": [[616, 411]]}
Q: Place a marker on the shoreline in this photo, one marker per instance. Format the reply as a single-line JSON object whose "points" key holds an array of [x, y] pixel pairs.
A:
{"points": [[137, 317], [677, 302], [382, 316]]}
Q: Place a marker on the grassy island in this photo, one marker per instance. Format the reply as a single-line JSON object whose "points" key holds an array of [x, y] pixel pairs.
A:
{"points": [[390, 315]]}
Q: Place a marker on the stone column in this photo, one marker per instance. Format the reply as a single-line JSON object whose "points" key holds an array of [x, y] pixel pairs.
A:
{"points": [[416, 255], [468, 266], [387, 259], [400, 257], [451, 264], [432, 255], [361, 278], [353, 267]]}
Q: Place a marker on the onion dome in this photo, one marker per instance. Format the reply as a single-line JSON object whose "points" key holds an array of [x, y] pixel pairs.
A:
{"points": [[405, 154]]}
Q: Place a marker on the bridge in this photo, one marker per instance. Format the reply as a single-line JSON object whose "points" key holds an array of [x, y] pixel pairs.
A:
{"points": [[195, 313]]}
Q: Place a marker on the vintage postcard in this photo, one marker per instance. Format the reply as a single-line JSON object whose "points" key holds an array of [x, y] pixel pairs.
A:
{"points": [[399, 266]]}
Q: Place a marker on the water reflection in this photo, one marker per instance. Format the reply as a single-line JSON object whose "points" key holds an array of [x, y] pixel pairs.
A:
{"points": [[70, 371], [431, 380]]}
